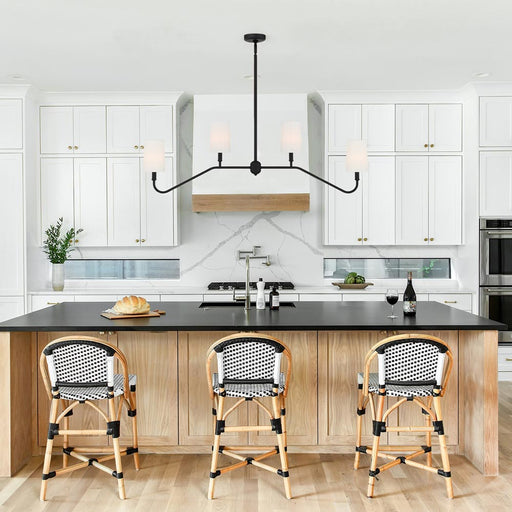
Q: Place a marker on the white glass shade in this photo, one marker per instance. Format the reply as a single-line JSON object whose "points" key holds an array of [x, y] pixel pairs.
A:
{"points": [[357, 156], [291, 137], [154, 156], [220, 137]]}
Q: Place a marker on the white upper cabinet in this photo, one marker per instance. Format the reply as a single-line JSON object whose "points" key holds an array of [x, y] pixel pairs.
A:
{"points": [[367, 216], [436, 127], [11, 124], [89, 130], [129, 126], [373, 123], [11, 212], [56, 192], [158, 211], [412, 127], [56, 129], [156, 123], [429, 200], [445, 200], [378, 127], [68, 130], [495, 121], [123, 202], [445, 127], [90, 201], [344, 125], [495, 183]]}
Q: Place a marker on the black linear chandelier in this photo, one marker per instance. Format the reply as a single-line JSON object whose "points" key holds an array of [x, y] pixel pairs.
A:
{"points": [[255, 166]]}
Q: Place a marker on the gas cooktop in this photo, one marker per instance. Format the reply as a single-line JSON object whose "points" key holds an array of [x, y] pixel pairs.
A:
{"points": [[240, 285]]}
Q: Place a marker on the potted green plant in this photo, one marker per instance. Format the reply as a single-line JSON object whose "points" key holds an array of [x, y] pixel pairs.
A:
{"points": [[58, 246]]}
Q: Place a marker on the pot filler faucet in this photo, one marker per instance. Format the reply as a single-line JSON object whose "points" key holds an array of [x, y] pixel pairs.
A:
{"points": [[248, 256]]}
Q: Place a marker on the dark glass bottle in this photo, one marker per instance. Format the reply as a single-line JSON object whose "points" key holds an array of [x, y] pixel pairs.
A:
{"points": [[273, 298], [409, 297]]}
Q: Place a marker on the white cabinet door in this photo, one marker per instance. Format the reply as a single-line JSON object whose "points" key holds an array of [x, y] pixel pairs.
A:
{"points": [[343, 213], [123, 185], [378, 127], [445, 127], [412, 127], [11, 213], [11, 307], [156, 124], [90, 178], [496, 121], [378, 185], [123, 129], [89, 130], [445, 200], [56, 130], [412, 200], [11, 124], [158, 211], [56, 192], [496, 183], [344, 125]]}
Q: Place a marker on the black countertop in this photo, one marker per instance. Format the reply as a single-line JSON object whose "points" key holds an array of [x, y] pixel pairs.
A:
{"points": [[187, 316]]}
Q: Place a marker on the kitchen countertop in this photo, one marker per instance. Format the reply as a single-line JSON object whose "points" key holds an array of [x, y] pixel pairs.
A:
{"points": [[358, 315]]}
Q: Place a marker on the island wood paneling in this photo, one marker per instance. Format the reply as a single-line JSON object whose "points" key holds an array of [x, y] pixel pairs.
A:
{"points": [[301, 403]]}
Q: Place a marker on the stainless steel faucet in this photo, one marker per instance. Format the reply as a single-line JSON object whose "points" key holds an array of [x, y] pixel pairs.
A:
{"points": [[247, 297]]}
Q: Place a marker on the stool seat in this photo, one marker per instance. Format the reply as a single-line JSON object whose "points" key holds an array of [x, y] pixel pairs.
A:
{"points": [[396, 389], [248, 390], [96, 392]]}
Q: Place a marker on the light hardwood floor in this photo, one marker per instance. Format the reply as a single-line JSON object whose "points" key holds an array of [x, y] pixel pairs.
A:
{"points": [[319, 483]]}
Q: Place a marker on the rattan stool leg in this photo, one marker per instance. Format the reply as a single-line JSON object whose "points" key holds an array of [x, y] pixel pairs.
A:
{"points": [[444, 450], [375, 447], [283, 454], [283, 419], [360, 401], [65, 442], [48, 452], [117, 451], [135, 435], [428, 421], [215, 449]]}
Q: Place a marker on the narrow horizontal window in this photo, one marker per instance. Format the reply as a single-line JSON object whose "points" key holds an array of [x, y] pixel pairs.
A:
{"points": [[388, 268], [122, 269]]}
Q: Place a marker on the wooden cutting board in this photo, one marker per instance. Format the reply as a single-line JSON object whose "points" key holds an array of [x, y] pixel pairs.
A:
{"points": [[111, 316]]}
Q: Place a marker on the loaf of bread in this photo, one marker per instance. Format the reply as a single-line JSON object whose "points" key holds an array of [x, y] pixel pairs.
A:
{"points": [[132, 305]]}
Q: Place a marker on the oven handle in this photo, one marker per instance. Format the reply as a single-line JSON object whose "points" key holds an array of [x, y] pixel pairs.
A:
{"points": [[508, 290], [507, 232]]}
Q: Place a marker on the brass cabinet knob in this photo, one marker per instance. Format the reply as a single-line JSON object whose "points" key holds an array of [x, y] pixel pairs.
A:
{"points": [[76, 147], [135, 147], [425, 145], [70, 147], [365, 239], [431, 145], [143, 240], [359, 239], [137, 240], [431, 239], [76, 240], [425, 239], [142, 147]]}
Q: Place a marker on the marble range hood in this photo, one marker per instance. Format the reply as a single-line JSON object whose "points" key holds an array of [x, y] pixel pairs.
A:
{"points": [[238, 189]]}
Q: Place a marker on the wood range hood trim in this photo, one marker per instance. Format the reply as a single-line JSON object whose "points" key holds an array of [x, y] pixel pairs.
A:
{"points": [[250, 202]]}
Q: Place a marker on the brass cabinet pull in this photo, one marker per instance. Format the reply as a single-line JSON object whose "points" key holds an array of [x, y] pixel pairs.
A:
{"points": [[365, 239], [137, 240], [110, 333], [425, 239], [76, 241], [70, 147], [142, 147], [76, 147], [425, 145], [431, 239], [52, 303], [508, 358], [431, 145], [450, 302], [101, 333], [143, 240], [359, 239], [135, 147]]}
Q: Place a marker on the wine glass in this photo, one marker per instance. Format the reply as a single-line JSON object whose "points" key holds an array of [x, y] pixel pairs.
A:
{"points": [[392, 298]]}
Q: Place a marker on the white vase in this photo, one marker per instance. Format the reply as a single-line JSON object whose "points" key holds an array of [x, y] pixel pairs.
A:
{"points": [[58, 276]]}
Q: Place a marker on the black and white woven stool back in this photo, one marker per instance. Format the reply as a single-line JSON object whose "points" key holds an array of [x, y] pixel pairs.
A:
{"points": [[80, 362], [411, 361], [249, 360]]}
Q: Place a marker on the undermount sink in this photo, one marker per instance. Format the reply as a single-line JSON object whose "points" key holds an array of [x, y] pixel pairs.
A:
{"points": [[240, 304]]}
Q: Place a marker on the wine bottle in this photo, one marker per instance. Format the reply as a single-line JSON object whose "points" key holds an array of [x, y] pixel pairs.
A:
{"points": [[274, 298], [409, 297]]}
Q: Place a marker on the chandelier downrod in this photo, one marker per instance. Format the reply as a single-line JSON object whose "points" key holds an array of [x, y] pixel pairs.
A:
{"points": [[255, 166]]}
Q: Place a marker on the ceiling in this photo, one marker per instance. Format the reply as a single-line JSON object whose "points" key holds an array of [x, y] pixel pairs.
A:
{"points": [[197, 45]]}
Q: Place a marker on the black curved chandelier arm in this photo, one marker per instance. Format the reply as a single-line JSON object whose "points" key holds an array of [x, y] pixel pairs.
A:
{"points": [[153, 177], [325, 182]]}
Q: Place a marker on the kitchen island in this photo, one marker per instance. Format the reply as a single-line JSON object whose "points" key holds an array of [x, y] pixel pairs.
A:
{"points": [[328, 342]]}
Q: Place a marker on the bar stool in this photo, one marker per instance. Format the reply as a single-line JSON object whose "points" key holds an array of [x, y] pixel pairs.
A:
{"points": [[416, 369], [80, 370], [249, 368]]}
